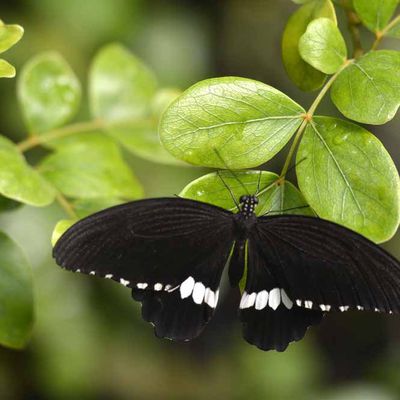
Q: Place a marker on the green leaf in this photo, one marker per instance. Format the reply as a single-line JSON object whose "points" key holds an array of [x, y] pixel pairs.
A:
{"points": [[85, 207], [48, 91], [348, 177], [6, 69], [121, 87], [323, 46], [302, 74], [367, 90], [16, 296], [278, 198], [9, 35], [18, 181], [91, 167], [246, 121], [375, 14], [60, 228], [141, 139]]}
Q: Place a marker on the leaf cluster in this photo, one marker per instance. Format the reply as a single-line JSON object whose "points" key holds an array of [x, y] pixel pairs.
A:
{"points": [[344, 173], [83, 166]]}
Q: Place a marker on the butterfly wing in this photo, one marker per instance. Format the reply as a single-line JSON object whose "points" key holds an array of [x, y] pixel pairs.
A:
{"points": [[270, 318], [170, 251], [309, 266]]}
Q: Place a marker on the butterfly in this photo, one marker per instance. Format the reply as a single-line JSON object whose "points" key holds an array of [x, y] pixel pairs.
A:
{"points": [[172, 251]]}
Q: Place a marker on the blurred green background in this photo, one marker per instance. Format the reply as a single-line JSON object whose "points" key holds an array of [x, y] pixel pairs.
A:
{"points": [[89, 341]]}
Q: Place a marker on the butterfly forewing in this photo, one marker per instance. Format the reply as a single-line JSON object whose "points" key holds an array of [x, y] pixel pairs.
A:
{"points": [[171, 252]]}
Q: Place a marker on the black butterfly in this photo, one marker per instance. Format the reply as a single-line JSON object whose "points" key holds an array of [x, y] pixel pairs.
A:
{"points": [[172, 251]]}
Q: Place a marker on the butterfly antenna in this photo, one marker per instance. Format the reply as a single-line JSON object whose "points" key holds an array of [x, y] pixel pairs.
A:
{"points": [[262, 191], [229, 190], [231, 171], [295, 165], [258, 183], [285, 210]]}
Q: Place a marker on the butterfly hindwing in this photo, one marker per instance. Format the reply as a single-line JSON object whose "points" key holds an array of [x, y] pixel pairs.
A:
{"points": [[171, 252], [271, 320], [327, 267]]}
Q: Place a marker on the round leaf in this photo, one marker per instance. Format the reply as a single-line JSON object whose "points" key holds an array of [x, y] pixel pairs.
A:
{"points": [[6, 69], [18, 181], [367, 90], [9, 35], [91, 168], [323, 46], [280, 198], [121, 87], [141, 138], [16, 297], [48, 91], [375, 14], [234, 122], [348, 177], [302, 74]]}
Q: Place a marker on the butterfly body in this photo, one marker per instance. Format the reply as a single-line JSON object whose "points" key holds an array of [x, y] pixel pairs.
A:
{"points": [[171, 252]]}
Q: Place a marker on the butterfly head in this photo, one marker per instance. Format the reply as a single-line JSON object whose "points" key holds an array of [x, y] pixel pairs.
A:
{"points": [[248, 204]]}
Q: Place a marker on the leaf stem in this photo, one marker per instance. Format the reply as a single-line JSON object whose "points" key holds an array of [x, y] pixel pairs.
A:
{"points": [[381, 34], [66, 205], [308, 117], [46, 137]]}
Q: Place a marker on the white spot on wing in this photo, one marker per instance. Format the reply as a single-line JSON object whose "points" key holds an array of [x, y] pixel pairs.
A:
{"points": [[124, 282], [261, 300], [173, 289], [198, 292], [141, 285], [308, 304], [210, 298], [251, 298], [187, 287], [325, 307], [344, 308], [274, 298], [286, 300], [360, 308], [298, 303], [243, 300]]}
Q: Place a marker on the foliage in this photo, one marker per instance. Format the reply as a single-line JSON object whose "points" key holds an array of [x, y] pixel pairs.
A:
{"points": [[9, 35], [343, 171]]}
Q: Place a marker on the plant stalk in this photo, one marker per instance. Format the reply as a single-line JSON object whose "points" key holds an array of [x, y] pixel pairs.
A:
{"points": [[308, 117], [46, 137], [381, 34]]}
